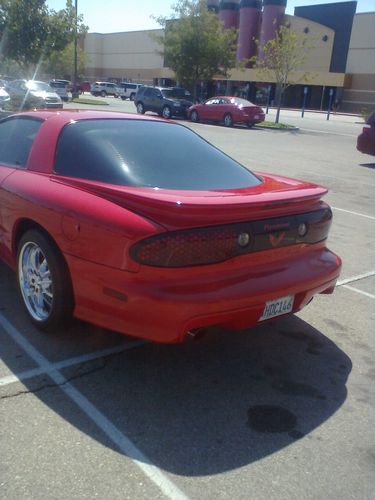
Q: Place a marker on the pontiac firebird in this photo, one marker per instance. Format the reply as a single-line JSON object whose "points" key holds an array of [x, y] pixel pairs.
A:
{"points": [[139, 225]]}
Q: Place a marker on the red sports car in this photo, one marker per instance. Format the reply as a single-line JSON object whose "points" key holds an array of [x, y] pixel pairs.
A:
{"points": [[139, 225], [228, 110]]}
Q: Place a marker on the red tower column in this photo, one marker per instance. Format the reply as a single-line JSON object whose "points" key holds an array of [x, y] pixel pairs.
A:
{"points": [[228, 14], [249, 20], [273, 14]]}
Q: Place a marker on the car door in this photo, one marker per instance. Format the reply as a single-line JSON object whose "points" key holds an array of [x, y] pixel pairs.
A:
{"points": [[209, 110], [155, 100], [16, 139]]}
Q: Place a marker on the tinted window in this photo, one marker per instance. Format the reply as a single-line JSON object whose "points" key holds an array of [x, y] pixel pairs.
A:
{"points": [[176, 93], [146, 153], [16, 138], [58, 85]]}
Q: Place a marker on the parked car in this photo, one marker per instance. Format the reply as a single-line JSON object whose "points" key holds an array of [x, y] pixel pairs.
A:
{"points": [[167, 102], [227, 110], [85, 86], [98, 226], [366, 140], [61, 88], [40, 92], [104, 89], [128, 90], [4, 96]]}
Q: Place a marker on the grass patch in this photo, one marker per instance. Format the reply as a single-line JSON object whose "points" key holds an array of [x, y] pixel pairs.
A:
{"points": [[87, 100], [283, 126]]}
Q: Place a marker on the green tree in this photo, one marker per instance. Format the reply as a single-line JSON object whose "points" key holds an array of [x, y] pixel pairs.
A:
{"points": [[279, 58], [195, 45], [60, 64], [24, 31], [30, 33]]}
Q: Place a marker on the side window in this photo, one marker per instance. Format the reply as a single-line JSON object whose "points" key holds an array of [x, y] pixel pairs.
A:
{"points": [[148, 92], [16, 139]]}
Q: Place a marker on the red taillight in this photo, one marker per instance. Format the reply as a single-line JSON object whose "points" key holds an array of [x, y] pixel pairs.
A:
{"points": [[366, 129], [186, 248], [202, 246]]}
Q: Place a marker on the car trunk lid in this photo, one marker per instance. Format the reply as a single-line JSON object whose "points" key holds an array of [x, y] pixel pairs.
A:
{"points": [[274, 196]]}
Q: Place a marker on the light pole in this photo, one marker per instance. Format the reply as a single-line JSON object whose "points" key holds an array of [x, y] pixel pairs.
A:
{"points": [[75, 92]]}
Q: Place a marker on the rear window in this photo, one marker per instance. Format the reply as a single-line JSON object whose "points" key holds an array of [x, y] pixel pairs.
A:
{"points": [[178, 93], [148, 154], [58, 85]]}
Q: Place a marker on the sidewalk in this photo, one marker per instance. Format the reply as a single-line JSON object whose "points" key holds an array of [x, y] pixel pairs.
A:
{"points": [[315, 115]]}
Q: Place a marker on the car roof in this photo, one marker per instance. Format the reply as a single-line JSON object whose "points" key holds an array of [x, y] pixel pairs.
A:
{"points": [[71, 115]]}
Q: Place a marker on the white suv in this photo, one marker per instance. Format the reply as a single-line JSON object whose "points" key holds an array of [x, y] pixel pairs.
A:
{"points": [[105, 88], [128, 90]]}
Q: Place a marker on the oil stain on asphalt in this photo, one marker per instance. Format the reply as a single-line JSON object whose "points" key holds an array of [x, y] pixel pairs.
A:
{"points": [[273, 419]]}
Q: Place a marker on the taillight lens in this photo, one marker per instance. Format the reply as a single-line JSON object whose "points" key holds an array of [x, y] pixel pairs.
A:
{"points": [[202, 246], [366, 129]]}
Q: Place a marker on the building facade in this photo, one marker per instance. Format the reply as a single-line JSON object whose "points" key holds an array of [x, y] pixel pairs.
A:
{"points": [[339, 67]]}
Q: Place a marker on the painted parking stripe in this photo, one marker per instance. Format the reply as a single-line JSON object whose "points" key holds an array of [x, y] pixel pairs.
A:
{"points": [[356, 278], [354, 213], [359, 291], [34, 372], [120, 440]]}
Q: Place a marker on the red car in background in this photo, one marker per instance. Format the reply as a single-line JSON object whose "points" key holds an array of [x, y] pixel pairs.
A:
{"points": [[366, 140], [158, 241], [227, 110]]}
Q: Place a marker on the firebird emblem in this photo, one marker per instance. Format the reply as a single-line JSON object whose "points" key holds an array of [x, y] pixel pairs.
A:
{"points": [[276, 239]]}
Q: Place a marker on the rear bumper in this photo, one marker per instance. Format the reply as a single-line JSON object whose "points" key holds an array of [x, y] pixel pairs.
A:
{"points": [[366, 144], [164, 307]]}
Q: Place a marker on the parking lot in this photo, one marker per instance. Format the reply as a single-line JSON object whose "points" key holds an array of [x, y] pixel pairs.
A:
{"points": [[282, 411]]}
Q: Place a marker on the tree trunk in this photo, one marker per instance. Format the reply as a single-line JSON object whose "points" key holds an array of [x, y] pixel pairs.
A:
{"points": [[278, 96]]}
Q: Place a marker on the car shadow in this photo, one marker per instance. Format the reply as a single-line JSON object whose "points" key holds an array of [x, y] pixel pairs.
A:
{"points": [[212, 405], [367, 165]]}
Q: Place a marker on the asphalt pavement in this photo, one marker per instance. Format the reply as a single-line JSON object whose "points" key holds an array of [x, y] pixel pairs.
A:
{"points": [[283, 411]]}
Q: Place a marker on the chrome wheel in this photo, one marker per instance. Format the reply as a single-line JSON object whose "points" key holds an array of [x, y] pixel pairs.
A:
{"points": [[166, 113], [140, 108], [194, 116], [228, 120], [35, 281]]}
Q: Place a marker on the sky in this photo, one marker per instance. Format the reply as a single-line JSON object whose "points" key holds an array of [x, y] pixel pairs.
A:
{"points": [[110, 16]]}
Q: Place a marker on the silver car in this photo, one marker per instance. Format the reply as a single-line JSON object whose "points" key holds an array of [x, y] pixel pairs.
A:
{"points": [[4, 96], [40, 90], [60, 87]]}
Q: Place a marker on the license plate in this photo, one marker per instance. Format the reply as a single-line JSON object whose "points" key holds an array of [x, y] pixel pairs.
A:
{"points": [[276, 307], [256, 117]]}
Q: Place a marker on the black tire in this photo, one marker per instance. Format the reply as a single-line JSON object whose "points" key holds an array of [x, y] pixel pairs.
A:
{"points": [[140, 108], [194, 117], [44, 281], [228, 120], [166, 112], [103, 93], [250, 124], [123, 98]]}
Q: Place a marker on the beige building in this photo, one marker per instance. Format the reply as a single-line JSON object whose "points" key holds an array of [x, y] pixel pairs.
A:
{"points": [[359, 91], [136, 56]]}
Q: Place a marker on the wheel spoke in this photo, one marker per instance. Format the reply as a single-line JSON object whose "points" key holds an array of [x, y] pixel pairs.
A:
{"points": [[35, 281]]}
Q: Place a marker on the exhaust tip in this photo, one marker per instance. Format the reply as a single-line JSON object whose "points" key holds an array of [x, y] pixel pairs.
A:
{"points": [[195, 334]]}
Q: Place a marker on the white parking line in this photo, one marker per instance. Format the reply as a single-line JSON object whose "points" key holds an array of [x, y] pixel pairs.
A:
{"points": [[120, 440], [354, 213], [356, 278], [359, 291], [34, 372]]}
